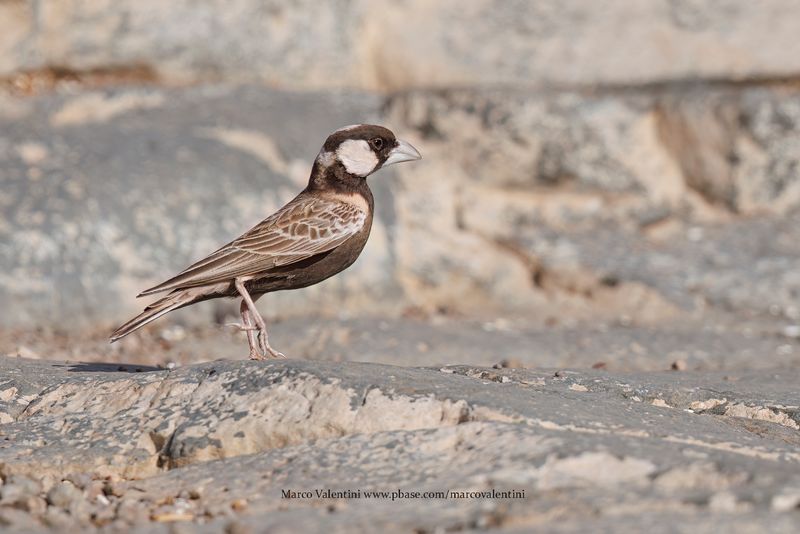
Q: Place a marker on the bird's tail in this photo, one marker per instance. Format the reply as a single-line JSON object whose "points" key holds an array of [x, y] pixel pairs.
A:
{"points": [[173, 301]]}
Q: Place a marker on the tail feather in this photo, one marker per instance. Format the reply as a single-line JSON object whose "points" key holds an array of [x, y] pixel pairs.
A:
{"points": [[171, 302]]}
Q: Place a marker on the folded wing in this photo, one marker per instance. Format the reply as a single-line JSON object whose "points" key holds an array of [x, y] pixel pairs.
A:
{"points": [[305, 227]]}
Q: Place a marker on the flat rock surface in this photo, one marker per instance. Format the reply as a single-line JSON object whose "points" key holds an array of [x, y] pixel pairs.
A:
{"points": [[703, 344], [256, 445]]}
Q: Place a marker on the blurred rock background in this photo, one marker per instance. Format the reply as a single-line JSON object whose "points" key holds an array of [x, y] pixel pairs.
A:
{"points": [[607, 183]]}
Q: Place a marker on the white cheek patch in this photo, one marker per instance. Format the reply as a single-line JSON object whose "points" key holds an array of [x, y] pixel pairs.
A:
{"points": [[357, 157]]}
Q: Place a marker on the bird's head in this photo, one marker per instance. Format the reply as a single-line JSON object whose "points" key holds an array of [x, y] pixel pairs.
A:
{"points": [[362, 149]]}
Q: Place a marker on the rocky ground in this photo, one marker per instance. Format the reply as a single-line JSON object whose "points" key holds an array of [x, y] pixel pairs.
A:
{"points": [[245, 446]]}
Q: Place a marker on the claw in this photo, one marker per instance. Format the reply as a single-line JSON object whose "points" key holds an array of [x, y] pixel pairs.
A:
{"points": [[274, 353], [263, 342]]}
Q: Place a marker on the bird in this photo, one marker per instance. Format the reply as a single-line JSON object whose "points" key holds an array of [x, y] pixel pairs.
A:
{"points": [[316, 235]]}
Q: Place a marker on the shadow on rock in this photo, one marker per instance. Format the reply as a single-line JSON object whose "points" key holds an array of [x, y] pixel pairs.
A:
{"points": [[94, 367]]}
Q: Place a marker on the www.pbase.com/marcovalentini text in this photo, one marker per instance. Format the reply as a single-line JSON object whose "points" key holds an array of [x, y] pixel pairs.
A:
{"points": [[402, 494]]}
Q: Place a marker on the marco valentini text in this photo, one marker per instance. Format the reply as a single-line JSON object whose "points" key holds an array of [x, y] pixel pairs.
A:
{"points": [[398, 494]]}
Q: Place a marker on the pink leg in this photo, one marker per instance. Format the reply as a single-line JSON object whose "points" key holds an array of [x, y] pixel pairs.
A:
{"points": [[263, 338], [255, 354]]}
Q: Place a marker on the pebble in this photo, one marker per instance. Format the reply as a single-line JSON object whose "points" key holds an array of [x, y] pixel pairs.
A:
{"points": [[786, 502], [217, 509], [57, 519], [792, 331], [173, 333], [723, 501], [103, 515], [19, 519], [169, 516], [509, 363], [48, 481], [34, 505], [64, 495], [95, 489], [18, 488], [117, 488], [190, 495], [132, 511], [239, 504], [80, 480], [678, 365]]}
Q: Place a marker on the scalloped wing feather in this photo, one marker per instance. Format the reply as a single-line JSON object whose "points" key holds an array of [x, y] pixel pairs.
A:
{"points": [[305, 227]]}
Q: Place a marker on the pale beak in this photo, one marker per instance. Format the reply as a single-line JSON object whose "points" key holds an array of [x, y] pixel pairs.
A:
{"points": [[402, 152]]}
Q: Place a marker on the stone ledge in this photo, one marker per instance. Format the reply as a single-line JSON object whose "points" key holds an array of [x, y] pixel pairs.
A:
{"points": [[421, 43]]}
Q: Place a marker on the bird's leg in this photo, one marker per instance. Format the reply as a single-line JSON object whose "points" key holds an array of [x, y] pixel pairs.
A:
{"points": [[247, 324], [263, 338]]}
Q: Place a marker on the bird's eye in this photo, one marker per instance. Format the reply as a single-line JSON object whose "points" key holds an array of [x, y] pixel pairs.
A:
{"points": [[377, 143]]}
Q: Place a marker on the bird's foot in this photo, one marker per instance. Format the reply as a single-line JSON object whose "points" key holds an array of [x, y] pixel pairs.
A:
{"points": [[275, 354], [270, 353], [265, 347], [256, 355]]}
